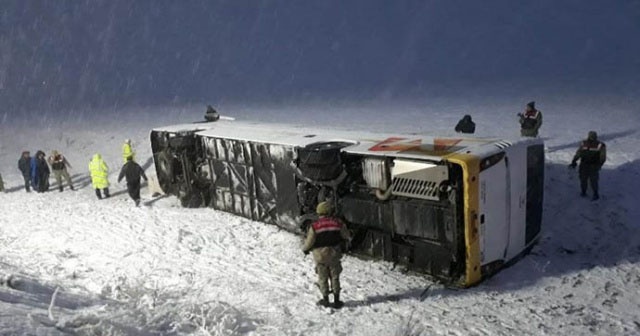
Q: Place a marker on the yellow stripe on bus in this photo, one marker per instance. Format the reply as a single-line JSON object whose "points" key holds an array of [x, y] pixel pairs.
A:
{"points": [[471, 175]]}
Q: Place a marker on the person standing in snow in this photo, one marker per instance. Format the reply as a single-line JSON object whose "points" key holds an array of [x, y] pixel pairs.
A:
{"points": [[24, 165], [59, 166], [99, 175], [466, 125], [326, 238], [530, 121], [40, 172], [211, 114], [2, 184], [127, 151], [592, 155], [133, 172], [33, 171]]}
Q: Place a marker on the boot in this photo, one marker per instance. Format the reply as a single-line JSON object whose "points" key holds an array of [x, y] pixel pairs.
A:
{"points": [[336, 301], [61, 188], [324, 301], [595, 197], [71, 187]]}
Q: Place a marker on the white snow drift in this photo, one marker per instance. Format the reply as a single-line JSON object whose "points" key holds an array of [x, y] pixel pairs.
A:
{"points": [[160, 269]]}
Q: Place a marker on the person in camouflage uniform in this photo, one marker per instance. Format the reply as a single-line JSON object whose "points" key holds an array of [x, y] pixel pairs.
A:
{"points": [[592, 155], [326, 238], [530, 121], [59, 165]]}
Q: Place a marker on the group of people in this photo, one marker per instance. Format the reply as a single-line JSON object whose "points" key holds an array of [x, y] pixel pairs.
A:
{"points": [[131, 170], [592, 153], [530, 122], [37, 169]]}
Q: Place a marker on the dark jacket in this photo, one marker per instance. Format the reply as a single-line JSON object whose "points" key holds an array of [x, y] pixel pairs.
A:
{"points": [[132, 172], [39, 169], [43, 167], [466, 125], [24, 164], [591, 153]]}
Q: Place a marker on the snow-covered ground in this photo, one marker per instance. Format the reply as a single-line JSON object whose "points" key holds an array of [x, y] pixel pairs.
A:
{"points": [[160, 269]]}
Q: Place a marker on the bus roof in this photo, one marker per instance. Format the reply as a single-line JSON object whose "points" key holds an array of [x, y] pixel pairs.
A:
{"points": [[409, 146]]}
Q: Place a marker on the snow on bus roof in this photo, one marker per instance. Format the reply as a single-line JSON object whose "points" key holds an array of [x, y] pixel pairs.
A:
{"points": [[411, 146]]}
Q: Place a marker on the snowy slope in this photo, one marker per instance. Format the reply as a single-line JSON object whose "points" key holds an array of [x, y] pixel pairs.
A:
{"points": [[162, 269]]}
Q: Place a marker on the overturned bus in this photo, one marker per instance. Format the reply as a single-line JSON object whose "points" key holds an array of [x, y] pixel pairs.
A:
{"points": [[457, 209]]}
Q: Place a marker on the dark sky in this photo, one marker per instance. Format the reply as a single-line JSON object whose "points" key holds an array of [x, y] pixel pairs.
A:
{"points": [[75, 53]]}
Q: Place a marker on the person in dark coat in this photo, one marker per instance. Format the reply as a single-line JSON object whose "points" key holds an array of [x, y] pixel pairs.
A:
{"points": [[466, 125], [592, 155], [24, 165], [132, 172], [211, 114], [41, 171]]}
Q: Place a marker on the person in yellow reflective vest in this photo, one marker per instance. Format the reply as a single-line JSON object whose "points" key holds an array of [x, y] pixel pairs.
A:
{"points": [[127, 151], [99, 175]]}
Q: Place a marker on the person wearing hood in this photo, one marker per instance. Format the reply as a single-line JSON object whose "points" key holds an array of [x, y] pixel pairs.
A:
{"points": [[530, 121], [59, 166], [127, 151], [132, 172], [99, 175], [40, 172], [466, 125], [592, 155], [24, 165], [211, 114]]}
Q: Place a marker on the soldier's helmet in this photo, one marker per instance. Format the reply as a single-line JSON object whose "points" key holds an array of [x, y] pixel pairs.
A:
{"points": [[323, 208], [592, 135]]}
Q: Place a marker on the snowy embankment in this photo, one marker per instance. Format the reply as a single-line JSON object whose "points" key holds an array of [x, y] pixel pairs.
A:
{"points": [[161, 269]]}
